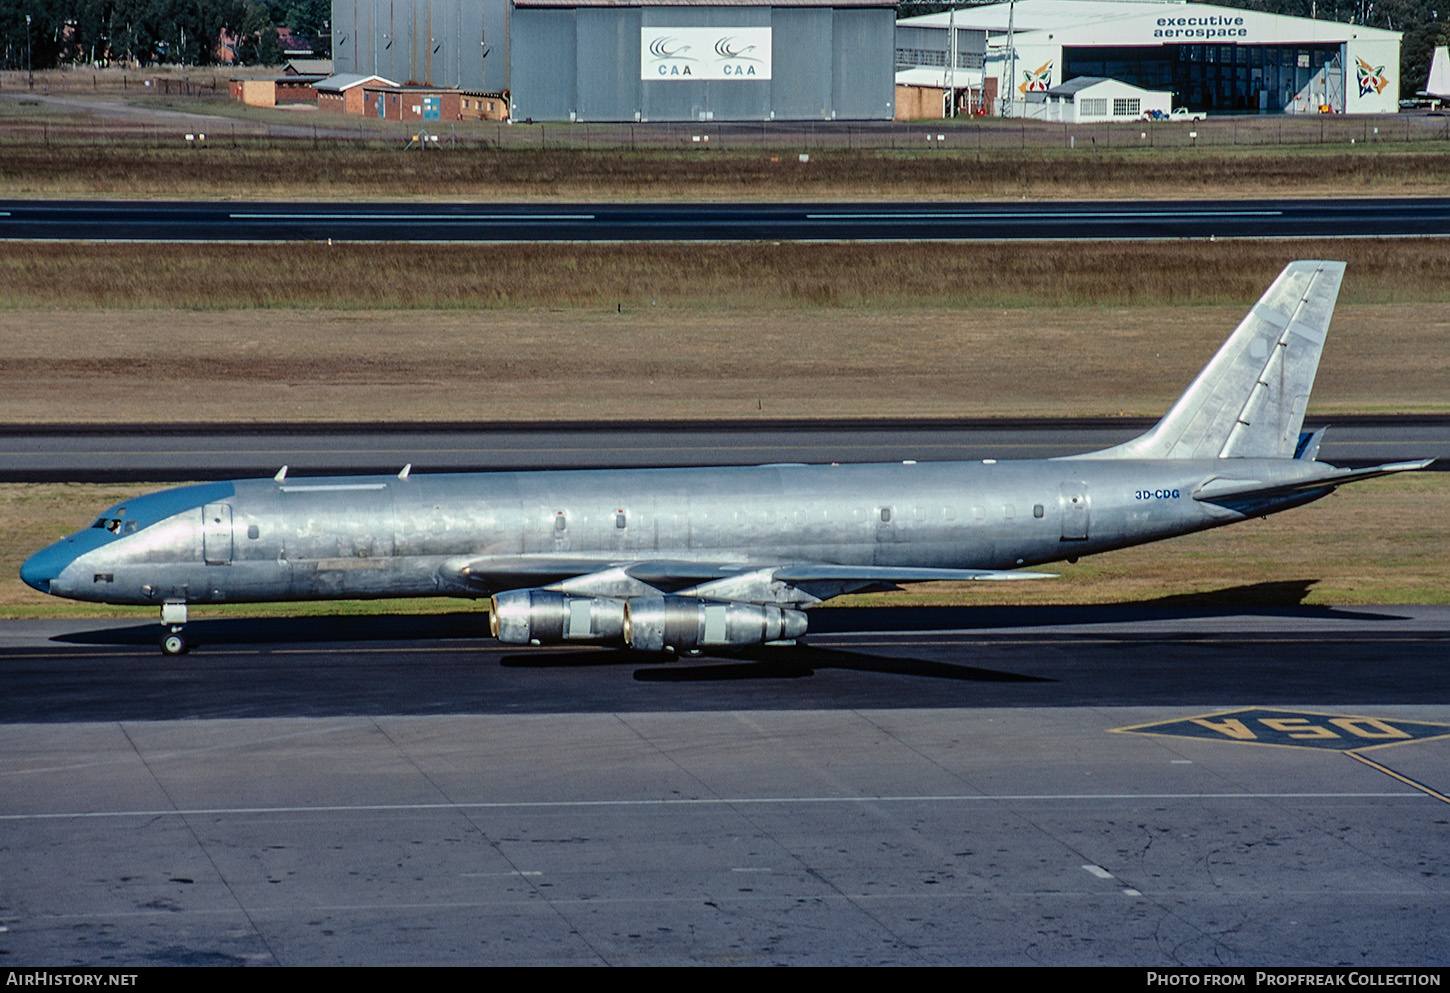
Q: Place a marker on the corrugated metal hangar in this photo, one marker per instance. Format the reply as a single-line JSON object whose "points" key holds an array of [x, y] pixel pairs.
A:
{"points": [[636, 60], [1210, 58], [797, 60]]}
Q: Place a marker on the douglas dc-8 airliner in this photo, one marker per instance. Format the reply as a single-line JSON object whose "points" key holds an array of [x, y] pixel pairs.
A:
{"points": [[685, 560]]}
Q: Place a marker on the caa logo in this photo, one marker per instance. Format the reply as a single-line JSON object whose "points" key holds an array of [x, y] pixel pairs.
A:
{"points": [[671, 55]]}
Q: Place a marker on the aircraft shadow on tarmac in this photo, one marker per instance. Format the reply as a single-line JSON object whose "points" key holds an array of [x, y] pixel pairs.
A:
{"points": [[445, 663], [1280, 599], [793, 662]]}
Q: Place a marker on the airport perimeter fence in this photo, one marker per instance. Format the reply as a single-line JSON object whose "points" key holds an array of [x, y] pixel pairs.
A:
{"points": [[308, 129], [141, 111]]}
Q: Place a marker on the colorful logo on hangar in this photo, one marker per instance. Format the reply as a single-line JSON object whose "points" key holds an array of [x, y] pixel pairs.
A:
{"points": [[1036, 80], [1372, 79]]}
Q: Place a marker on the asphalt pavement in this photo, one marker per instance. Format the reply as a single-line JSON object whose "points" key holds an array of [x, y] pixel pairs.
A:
{"points": [[165, 453], [1160, 784], [199, 220]]}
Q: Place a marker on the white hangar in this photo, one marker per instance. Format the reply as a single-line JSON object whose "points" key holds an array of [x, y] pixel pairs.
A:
{"points": [[1210, 58]]}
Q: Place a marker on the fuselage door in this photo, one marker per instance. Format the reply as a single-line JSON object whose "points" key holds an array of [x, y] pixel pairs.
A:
{"points": [[886, 529], [1073, 501], [216, 533]]}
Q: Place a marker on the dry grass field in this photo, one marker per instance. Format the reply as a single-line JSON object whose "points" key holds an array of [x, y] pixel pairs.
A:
{"points": [[831, 276], [281, 171], [738, 362], [291, 169], [435, 333]]}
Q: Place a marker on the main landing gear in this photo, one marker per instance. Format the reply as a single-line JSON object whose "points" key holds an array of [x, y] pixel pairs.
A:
{"points": [[173, 618]]}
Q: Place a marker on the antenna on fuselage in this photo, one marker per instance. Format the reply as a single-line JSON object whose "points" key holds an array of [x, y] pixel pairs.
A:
{"points": [[406, 469], [281, 474]]}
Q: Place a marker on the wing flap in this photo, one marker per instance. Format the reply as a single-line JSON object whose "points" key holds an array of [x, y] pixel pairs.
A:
{"points": [[506, 572], [816, 572]]}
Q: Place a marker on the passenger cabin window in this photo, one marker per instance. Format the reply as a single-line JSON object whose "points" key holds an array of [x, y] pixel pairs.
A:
{"points": [[561, 523], [619, 519], [1037, 510], [885, 515]]}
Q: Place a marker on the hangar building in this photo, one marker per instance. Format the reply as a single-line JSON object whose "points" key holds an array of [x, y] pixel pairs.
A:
{"points": [[635, 60], [1211, 58]]}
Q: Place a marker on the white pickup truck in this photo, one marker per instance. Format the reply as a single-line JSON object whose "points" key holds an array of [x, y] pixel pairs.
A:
{"points": [[1177, 114]]}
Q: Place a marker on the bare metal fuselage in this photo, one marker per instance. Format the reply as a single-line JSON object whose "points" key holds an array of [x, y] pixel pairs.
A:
{"points": [[368, 537]]}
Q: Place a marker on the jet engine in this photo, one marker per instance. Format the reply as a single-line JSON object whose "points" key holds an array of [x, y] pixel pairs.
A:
{"points": [[682, 623], [541, 617]]}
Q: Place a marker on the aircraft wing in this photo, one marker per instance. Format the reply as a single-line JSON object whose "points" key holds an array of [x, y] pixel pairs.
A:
{"points": [[1221, 489], [810, 571], [728, 580]]}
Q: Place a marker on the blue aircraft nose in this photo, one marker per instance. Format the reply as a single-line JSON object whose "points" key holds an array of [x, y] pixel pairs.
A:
{"points": [[45, 565]]}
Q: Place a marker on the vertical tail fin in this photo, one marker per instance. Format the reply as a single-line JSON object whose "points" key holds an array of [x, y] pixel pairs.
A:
{"points": [[1249, 401]]}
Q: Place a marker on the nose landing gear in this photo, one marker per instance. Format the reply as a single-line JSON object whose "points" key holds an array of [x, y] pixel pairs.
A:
{"points": [[173, 618]]}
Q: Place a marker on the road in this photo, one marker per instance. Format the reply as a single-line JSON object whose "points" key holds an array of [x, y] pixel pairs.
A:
{"points": [[105, 220], [164, 453]]}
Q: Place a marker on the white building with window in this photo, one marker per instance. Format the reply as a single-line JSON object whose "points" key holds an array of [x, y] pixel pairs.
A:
{"points": [[1091, 99]]}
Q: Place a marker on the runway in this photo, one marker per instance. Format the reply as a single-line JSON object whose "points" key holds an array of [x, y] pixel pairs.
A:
{"points": [[1154, 784], [164, 453], [501, 222]]}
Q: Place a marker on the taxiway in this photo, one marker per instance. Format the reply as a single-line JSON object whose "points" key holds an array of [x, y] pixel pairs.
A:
{"points": [[1161, 783]]}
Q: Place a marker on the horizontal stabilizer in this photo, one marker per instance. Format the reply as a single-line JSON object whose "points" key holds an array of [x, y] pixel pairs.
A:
{"points": [[1220, 489], [1309, 442]]}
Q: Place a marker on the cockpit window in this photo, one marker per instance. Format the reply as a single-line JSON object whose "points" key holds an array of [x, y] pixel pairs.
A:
{"points": [[139, 513]]}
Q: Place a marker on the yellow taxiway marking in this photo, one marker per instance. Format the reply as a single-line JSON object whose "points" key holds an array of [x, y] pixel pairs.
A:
{"points": [[1436, 794], [1351, 735]]}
